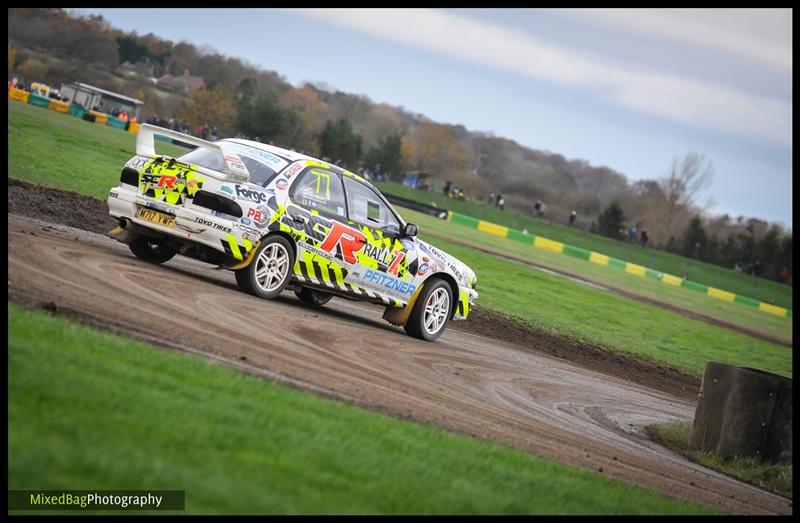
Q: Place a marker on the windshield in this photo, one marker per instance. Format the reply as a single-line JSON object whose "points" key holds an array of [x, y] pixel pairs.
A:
{"points": [[262, 165]]}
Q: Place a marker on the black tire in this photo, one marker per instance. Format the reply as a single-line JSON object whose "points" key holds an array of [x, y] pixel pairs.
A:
{"points": [[313, 296], [150, 250], [415, 326], [269, 288]]}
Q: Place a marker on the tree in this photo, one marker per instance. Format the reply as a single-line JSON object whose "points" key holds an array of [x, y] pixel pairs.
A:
{"points": [[433, 148], [32, 70], [685, 180], [339, 142], [387, 153], [693, 235], [611, 221], [263, 117], [213, 108]]}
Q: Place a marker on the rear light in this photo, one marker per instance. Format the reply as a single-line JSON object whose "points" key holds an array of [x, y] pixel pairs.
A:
{"points": [[216, 202], [129, 177]]}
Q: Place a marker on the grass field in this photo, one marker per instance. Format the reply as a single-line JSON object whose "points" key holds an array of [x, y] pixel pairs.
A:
{"points": [[91, 410], [676, 435], [435, 229], [538, 299], [716, 276]]}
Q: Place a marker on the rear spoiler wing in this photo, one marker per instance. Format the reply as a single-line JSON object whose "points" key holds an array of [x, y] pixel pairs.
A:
{"points": [[145, 146]]}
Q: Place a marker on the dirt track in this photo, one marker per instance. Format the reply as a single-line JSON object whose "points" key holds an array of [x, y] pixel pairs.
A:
{"points": [[464, 382]]}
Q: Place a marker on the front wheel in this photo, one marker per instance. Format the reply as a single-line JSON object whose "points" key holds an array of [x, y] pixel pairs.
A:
{"points": [[271, 269], [431, 311], [151, 250]]}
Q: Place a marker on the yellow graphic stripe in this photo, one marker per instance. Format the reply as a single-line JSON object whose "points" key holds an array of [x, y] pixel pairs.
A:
{"points": [[234, 247], [722, 295], [465, 301], [493, 228], [772, 309], [308, 258]]}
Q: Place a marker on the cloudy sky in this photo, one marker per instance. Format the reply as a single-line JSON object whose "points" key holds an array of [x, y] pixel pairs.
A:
{"points": [[628, 89]]}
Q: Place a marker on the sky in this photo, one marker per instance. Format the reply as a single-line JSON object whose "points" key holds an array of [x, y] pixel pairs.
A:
{"points": [[622, 88]]}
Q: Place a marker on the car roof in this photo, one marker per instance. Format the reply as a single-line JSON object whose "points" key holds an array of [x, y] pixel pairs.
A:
{"points": [[292, 156]]}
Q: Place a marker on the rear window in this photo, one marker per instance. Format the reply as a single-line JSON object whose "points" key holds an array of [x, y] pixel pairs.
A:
{"points": [[260, 173]]}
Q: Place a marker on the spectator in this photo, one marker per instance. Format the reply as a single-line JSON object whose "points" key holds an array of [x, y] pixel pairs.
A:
{"points": [[783, 276], [501, 202], [492, 199], [644, 239], [632, 234], [214, 134], [447, 187], [538, 209], [573, 215], [696, 251]]}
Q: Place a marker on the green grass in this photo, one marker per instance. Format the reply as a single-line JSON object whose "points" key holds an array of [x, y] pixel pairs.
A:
{"points": [[675, 435], [552, 303], [435, 229], [713, 275], [89, 410], [58, 150]]}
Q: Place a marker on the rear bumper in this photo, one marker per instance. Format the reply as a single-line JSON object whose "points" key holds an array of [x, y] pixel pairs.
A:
{"points": [[196, 225]]}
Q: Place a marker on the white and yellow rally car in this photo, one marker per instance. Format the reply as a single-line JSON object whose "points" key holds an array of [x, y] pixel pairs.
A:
{"points": [[280, 220]]}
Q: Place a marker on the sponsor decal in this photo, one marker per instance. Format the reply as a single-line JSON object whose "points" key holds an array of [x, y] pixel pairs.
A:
{"points": [[137, 162], [345, 241], [281, 184], [250, 195], [248, 233], [112, 194], [260, 215], [209, 223], [161, 181], [423, 269], [245, 221], [389, 282], [257, 154], [226, 189], [294, 169]]}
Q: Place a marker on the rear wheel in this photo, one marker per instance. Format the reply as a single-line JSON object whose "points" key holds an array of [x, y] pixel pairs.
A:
{"points": [[271, 269], [431, 311], [150, 250], [313, 297]]}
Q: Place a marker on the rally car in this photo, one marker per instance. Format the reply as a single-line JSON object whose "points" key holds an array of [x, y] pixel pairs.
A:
{"points": [[282, 220]]}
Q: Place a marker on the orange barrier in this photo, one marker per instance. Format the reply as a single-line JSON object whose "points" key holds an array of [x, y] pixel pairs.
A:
{"points": [[133, 127], [18, 94], [99, 118], [58, 105]]}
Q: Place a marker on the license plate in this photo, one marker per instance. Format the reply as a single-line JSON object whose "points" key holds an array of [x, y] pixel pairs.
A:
{"points": [[159, 218]]}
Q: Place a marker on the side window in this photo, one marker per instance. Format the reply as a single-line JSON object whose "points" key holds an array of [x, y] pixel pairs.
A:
{"points": [[319, 189], [366, 207]]}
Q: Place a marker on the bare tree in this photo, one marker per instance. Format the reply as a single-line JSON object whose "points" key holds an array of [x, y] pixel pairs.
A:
{"points": [[687, 178]]}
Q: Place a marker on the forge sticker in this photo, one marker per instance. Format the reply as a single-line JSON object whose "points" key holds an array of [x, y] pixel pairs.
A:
{"points": [[250, 194]]}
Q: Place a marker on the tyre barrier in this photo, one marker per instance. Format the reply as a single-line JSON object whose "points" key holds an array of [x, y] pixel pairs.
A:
{"points": [[601, 259], [743, 412]]}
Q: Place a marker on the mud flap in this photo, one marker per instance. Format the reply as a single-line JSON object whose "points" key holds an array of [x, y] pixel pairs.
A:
{"points": [[246, 262], [399, 316]]}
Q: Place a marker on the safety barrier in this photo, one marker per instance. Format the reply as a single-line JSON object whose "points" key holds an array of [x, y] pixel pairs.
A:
{"points": [[72, 109], [601, 259]]}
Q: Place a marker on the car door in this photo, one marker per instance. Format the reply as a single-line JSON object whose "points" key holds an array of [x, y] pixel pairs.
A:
{"points": [[316, 217], [386, 261]]}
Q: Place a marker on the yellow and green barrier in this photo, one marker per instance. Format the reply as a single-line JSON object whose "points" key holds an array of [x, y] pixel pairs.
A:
{"points": [[69, 108], [601, 259]]}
